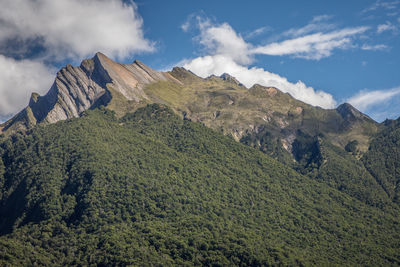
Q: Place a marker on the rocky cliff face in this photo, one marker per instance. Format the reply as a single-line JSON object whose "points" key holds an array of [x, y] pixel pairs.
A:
{"points": [[348, 112], [77, 89]]}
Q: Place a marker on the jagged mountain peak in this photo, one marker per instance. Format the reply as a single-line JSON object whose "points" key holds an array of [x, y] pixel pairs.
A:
{"points": [[78, 88], [227, 77], [184, 75], [348, 112]]}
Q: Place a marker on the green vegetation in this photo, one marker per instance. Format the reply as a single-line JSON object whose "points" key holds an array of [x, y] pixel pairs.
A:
{"points": [[342, 171], [267, 143], [153, 189], [352, 147], [382, 159], [118, 102]]}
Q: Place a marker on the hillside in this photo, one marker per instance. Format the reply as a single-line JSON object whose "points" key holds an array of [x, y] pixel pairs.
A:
{"points": [[383, 157], [97, 81], [151, 187], [221, 103], [226, 105], [262, 117], [308, 139]]}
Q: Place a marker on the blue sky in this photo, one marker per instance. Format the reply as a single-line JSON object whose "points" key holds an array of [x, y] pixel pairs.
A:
{"points": [[324, 53]]}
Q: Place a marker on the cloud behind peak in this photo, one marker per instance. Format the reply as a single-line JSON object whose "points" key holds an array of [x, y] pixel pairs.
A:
{"points": [[75, 28]]}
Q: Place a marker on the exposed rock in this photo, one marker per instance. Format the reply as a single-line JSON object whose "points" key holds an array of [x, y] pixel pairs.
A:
{"points": [[124, 87], [216, 114], [77, 89], [348, 112], [266, 118], [287, 142], [229, 78], [299, 110], [271, 91]]}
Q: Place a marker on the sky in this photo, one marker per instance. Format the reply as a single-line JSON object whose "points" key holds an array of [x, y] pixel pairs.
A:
{"points": [[321, 52]]}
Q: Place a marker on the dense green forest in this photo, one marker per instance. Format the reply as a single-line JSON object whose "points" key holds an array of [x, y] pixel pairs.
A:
{"points": [[153, 189], [317, 158], [383, 159]]}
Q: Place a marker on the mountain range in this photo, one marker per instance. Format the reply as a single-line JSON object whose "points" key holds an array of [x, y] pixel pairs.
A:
{"points": [[138, 166]]}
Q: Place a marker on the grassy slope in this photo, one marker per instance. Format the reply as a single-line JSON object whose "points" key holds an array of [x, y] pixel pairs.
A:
{"points": [[154, 188], [235, 110]]}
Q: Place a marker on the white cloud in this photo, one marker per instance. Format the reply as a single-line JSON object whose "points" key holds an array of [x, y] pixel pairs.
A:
{"points": [[387, 5], [75, 28], [374, 47], [366, 99], [228, 52], [185, 26], [223, 40], [218, 64], [321, 18], [317, 24], [257, 32], [309, 28], [386, 27], [314, 46], [18, 80], [60, 30]]}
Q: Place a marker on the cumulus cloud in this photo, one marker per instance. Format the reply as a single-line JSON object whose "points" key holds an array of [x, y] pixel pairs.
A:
{"points": [[226, 51], [313, 46], [18, 79], [218, 64], [37, 35], [313, 41], [223, 40], [74, 28], [366, 99]]}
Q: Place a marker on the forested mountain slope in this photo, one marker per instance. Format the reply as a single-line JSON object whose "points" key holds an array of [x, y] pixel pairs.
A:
{"points": [[326, 145], [152, 188], [383, 158]]}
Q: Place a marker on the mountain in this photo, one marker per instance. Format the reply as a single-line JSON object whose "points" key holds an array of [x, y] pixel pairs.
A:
{"points": [[95, 82], [382, 159], [150, 188], [222, 103], [262, 117], [127, 164]]}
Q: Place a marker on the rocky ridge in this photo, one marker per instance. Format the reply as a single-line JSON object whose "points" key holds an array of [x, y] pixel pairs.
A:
{"points": [[221, 103], [78, 88]]}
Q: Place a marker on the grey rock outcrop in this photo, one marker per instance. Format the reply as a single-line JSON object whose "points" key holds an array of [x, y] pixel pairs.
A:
{"points": [[230, 78], [350, 113], [79, 88]]}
